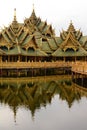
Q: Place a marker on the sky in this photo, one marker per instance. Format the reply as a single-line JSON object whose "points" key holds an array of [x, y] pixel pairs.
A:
{"points": [[59, 13]]}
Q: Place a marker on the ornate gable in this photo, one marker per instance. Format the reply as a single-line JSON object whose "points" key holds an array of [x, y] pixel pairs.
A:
{"points": [[31, 42], [15, 33], [34, 24], [77, 34], [70, 43], [30, 24], [47, 30]]}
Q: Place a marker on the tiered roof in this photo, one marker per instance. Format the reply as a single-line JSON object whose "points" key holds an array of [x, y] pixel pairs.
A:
{"points": [[34, 24], [18, 40], [36, 38], [70, 46], [77, 34]]}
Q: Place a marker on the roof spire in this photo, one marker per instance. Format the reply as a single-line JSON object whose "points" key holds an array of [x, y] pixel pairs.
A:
{"points": [[33, 12], [14, 22], [33, 6], [14, 14], [71, 27], [33, 17], [70, 21]]}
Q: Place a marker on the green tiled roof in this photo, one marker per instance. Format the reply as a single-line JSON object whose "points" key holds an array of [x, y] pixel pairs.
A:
{"points": [[37, 34], [5, 37], [36, 52], [85, 46], [45, 29], [60, 53], [39, 42], [22, 36], [14, 51], [41, 25], [45, 47], [58, 40], [83, 39], [27, 39], [52, 44], [19, 35], [18, 50]]}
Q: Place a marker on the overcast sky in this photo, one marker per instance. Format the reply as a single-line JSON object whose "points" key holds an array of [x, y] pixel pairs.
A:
{"points": [[59, 13]]}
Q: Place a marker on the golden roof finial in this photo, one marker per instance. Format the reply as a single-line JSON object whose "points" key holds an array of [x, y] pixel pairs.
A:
{"points": [[14, 14], [71, 27], [70, 21], [33, 6]]}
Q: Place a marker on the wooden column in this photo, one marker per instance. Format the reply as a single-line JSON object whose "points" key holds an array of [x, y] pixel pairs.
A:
{"points": [[64, 59], [8, 58], [12, 59], [85, 58], [19, 58], [26, 59], [0, 58]]}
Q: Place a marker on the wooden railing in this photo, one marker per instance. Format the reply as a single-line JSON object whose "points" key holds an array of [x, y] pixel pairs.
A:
{"points": [[80, 67], [6, 65]]}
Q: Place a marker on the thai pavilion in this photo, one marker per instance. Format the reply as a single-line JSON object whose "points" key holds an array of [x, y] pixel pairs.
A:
{"points": [[35, 41]]}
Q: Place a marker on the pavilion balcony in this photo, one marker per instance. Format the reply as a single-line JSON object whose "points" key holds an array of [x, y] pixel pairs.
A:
{"points": [[23, 65]]}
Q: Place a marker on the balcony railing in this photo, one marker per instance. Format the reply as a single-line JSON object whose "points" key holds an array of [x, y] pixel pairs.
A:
{"points": [[80, 67], [6, 65]]}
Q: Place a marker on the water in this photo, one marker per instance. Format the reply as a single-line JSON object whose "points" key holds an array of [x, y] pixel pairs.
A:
{"points": [[43, 103]]}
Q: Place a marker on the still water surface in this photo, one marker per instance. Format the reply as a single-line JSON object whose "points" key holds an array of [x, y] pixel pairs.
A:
{"points": [[46, 103]]}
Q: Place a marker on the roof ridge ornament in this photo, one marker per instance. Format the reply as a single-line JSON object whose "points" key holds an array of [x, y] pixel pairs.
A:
{"points": [[33, 17], [15, 19], [71, 22], [33, 6], [71, 27]]}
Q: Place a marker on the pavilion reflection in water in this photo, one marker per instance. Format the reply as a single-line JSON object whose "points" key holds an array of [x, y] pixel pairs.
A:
{"points": [[33, 93]]}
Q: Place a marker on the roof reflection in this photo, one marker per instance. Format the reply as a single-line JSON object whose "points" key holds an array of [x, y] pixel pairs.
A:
{"points": [[33, 93]]}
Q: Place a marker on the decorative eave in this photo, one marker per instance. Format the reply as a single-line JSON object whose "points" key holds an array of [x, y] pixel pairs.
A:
{"points": [[2, 52], [6, 40], [63, 35], [47, 30], [70, 52], [31, 42], [16, 32], [16, 50], [70, 42]]}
